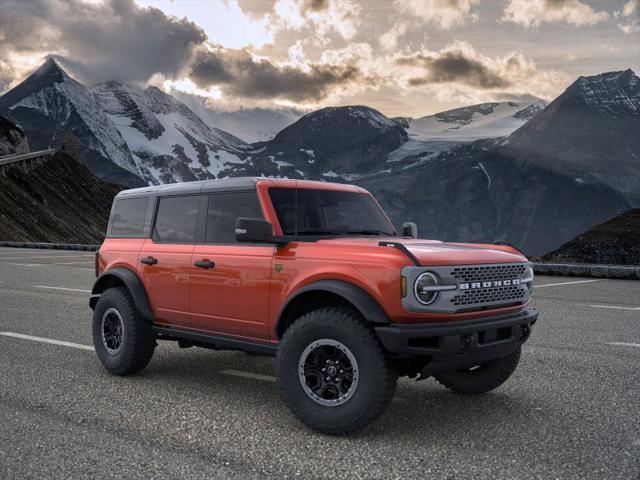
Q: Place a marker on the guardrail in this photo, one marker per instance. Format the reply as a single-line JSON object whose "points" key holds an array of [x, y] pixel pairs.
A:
{"points": [[587, 270], [12, 159], [51, 246]]}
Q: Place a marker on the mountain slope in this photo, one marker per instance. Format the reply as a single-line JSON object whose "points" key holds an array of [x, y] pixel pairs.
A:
{"points": [[612, 242], [591, 132], [12, 139], [474, 193], [466, 124], [49, 105], [58, 201], [168, 141]]}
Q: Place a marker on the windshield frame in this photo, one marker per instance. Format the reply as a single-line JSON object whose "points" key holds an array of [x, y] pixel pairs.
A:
{"points": [[386, 230]]}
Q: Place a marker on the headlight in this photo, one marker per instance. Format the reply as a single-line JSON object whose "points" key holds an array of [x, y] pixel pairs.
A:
{"points": [[423, 288]]}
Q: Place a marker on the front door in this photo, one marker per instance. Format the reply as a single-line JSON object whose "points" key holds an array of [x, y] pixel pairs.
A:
{"points": [[165, 259], [230, 281]]}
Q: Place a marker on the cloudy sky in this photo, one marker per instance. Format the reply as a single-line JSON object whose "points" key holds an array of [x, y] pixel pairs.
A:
{"points": [[404, 57]]}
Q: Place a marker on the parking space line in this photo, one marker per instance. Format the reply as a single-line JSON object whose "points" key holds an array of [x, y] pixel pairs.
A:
{"points": [[62, 288], [253, 376], [566, 283], [615, 307], [47, 340], [624, 344]]}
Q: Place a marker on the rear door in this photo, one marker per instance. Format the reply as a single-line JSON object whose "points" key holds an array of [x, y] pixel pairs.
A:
{"points": [[230, 281], [165, 258]]}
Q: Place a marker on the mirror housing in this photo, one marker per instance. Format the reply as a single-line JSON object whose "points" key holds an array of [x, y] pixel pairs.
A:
{"points": [[255, 230], [409, 230]]}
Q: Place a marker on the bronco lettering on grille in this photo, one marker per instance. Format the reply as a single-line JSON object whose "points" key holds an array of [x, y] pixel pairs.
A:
{"points": [[493, 283]]}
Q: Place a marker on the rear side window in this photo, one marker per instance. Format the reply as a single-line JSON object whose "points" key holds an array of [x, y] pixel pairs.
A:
{"points": [[176, 219], [224, 211], [129, 217]]}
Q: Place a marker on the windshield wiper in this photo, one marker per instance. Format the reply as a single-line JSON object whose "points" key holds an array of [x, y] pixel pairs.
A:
{"points": [[321, 232], [343, 232], [369, 232]]}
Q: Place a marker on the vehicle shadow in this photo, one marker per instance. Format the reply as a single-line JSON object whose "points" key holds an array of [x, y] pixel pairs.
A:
{"points": [[420, 409]]}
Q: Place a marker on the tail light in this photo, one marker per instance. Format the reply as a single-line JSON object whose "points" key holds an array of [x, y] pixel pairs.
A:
{"points": [[97, 263]]}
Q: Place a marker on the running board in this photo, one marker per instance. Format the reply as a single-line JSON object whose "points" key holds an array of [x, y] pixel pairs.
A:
{"points": [[216, 342]]}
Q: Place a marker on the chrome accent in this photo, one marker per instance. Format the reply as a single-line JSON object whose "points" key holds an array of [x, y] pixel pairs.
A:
{"points": [[438, 288]]}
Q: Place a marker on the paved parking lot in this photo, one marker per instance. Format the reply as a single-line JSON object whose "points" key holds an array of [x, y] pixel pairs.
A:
{"points": [[571, 410]]}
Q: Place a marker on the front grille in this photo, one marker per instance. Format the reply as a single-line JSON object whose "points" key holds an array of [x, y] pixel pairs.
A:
{"points": [[495, 295], [479, 273]]}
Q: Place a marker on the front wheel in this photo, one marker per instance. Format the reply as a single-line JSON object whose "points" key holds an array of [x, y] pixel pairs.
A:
{"points": [[480, 378], [332, 373]]}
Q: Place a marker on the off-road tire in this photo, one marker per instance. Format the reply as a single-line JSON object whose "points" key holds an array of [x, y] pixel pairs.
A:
{"points": [[377, 376], [484, 379], [138, 340]]}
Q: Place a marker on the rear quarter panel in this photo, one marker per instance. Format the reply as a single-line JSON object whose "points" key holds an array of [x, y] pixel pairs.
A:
{"points": [[120, 252]]}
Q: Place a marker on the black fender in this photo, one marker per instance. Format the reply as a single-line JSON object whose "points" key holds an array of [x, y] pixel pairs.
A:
{"points": [[133, 284], [356, 296]]}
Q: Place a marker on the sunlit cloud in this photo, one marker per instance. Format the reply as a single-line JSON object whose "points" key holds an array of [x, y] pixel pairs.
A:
{"points": [[533, 13], [323, 17], [224, 22], [445, 14], [628, 17]]}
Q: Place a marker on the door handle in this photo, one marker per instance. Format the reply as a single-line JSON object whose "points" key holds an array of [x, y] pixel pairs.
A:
{"points": [[149, 261], [204, 263]]}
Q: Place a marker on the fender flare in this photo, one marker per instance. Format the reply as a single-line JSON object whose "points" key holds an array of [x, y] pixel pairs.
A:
{"points": [[361, 300], [133, 284]]}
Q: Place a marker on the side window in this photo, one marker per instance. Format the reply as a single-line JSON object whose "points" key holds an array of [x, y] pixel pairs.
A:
{"points": [[128, 218], [176, 219], [224, 211]]}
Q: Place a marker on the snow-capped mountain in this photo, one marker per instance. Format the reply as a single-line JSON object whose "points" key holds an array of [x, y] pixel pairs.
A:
{"points": [[167, 140], [476, 122], [333, 143], [591, 133], [130, 136], [49, 105], [250, 124]]}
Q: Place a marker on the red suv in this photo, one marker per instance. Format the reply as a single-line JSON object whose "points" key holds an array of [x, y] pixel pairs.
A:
{"points": [[315, 274]]}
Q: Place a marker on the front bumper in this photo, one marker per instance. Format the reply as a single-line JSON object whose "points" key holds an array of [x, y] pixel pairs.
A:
{"points": [[460, 344]]}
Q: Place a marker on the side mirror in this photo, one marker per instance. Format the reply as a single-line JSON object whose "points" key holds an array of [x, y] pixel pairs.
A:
{"points": [[255, 230], [409, 230]]}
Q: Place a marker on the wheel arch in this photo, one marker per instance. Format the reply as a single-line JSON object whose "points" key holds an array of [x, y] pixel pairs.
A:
{"points": [[123, 277], [329, 293]]}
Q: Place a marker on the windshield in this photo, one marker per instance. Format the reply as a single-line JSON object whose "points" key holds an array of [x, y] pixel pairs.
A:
{"points": [[328, 212]]}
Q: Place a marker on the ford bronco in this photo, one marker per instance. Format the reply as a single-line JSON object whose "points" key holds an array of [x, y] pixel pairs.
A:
{"points": [[315, 274]]}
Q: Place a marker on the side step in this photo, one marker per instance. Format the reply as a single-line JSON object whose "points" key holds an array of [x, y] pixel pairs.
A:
{"points": [[215, 342]]}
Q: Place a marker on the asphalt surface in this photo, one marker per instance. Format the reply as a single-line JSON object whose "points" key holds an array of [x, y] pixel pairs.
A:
{"points": [[571, 410]]}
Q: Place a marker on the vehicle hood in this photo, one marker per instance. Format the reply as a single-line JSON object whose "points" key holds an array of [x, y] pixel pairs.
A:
{"points": [[434, 252]]}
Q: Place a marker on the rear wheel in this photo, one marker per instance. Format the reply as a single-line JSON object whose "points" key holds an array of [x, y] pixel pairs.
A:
{"points": [[123, 340], [332, 373], [480, 378]]}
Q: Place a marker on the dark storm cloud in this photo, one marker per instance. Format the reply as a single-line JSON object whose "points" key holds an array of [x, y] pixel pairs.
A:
{"points": [[114, 40], [237, 73], [454, 67]]}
